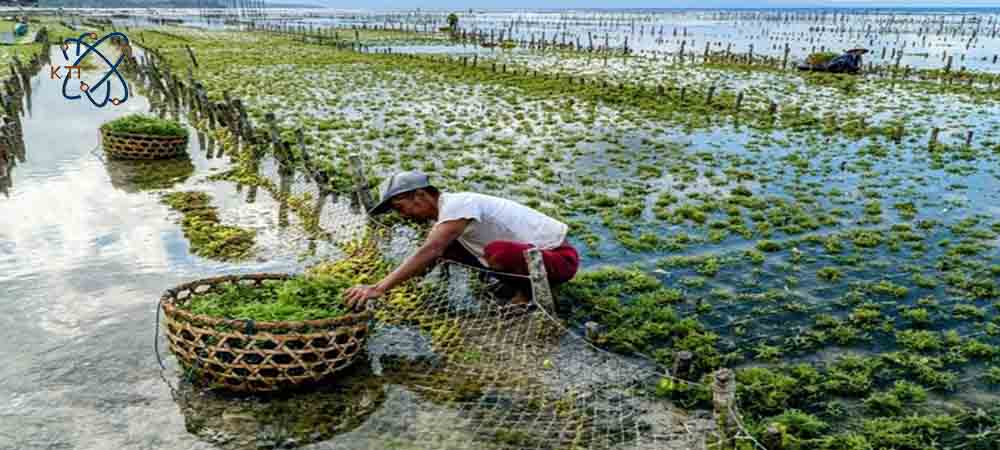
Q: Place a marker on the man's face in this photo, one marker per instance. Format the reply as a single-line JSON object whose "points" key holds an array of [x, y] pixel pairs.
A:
{"points": [[415, 205]]}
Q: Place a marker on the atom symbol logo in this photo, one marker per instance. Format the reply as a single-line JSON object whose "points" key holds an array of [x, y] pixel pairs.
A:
{"points": [[85, 88]]}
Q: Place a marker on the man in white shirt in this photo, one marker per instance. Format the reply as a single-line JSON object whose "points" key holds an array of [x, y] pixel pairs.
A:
{"points": [[474, 229]]}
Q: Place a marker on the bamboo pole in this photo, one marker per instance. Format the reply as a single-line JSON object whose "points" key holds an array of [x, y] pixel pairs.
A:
{"points": [[540, 289], [361, 183]]}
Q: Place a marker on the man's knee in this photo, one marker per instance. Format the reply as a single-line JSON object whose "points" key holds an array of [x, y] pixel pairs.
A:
{"points": [[506, 256], [562, 264]]}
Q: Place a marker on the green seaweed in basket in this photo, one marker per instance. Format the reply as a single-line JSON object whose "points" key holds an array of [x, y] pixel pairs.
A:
{"points": [[300, 298], [821, 58], [145, 124]]}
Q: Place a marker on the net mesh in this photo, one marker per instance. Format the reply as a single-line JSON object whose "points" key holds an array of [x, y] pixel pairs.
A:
{"points": [[451, 363], [472, 370]]}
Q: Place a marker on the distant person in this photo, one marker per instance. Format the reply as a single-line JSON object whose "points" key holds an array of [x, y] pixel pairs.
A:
{"points": [[474, 229], [849, 62]]}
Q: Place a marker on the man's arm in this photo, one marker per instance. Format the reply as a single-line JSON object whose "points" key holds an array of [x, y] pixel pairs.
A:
{"points": [[440, 237]]}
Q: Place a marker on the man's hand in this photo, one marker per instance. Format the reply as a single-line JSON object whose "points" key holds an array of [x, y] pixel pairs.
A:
{"points": [[437, 241], [357, 296]]}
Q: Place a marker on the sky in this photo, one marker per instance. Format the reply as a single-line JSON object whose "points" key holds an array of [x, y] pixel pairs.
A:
{"points": [[475, 4]]}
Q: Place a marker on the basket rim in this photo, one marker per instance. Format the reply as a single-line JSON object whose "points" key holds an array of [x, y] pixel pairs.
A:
{"points": [[137, 135], [170, 307]]}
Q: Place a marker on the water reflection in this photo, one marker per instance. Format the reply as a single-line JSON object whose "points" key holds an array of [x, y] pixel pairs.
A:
{"points": [[12, 149], [6, 165], [408, 402], [138, 175], [285, 189], [27, 97], [83, 256], [284, 420]]}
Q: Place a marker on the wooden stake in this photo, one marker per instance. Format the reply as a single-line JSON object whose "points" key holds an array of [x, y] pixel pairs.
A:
{"points": [[773, 440], [272, 127], [540, 289], [191, 54], [723, 401], [682, 365], [360, 183], [593, 331]]}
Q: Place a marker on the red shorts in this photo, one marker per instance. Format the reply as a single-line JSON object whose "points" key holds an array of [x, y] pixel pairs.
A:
{"points": [[561, 263]]}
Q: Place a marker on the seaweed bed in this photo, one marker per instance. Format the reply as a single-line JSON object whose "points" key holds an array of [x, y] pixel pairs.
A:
{"points": [[852, 278]]}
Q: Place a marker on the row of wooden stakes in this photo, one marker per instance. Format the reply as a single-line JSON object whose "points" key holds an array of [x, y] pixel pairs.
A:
{"points": [[16, 87]]}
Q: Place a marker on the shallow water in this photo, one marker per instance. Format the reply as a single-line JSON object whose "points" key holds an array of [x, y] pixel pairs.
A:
{"points": [[925, 37], [85, 253], [86, 250], [764, 158]]}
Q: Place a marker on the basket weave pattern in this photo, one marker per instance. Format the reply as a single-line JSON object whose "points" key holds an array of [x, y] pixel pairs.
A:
{"points": [[141, 146], [262, 356]]}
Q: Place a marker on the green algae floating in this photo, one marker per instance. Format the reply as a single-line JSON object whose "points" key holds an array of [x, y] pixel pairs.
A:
{"points": [[138, 136], [209, 238]]}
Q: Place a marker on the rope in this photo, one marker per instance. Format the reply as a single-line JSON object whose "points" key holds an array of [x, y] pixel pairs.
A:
{"points": [[97, 154], [602, 351], [156, 350], [156, 335], [489, 271], [739, 424]]}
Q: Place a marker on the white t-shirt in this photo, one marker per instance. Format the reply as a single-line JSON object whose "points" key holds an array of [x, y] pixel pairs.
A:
{"points": [[495, 218]]}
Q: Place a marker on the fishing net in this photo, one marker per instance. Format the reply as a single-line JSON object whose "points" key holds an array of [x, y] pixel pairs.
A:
{"points": [[462, 368], [452, 364], [471, 370]]}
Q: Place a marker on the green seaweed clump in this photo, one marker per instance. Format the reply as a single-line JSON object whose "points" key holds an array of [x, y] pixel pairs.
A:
{"points": [[916, 432], [798, 428], [145, 124], [208, 237], [639, 315], [818, 58], [295, 299]]}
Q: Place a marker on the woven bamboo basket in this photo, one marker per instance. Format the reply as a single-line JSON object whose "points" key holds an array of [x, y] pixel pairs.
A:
{"points": [[142, 146], [261, 356]]}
